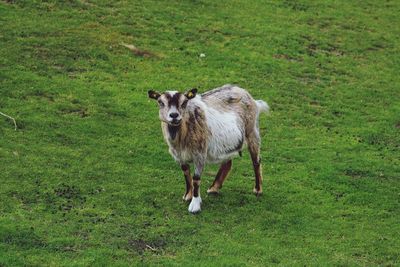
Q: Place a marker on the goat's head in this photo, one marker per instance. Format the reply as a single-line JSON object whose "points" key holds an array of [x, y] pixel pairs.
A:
{"points": [[172, 104]]}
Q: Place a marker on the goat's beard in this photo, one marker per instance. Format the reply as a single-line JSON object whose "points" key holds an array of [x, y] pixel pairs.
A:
{"points": [[173, 130]]}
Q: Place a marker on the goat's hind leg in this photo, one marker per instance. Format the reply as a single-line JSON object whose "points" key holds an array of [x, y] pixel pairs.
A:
{"points": [[253, 141], [189, 182], [220, 177]]}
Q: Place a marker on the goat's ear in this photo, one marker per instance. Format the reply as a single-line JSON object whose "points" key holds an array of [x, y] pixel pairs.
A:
{"points": [[153, 94], [191, 93]]}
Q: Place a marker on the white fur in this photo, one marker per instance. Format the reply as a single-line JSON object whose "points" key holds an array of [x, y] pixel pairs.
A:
{"points": [[182, 155], [171, 93], [195, 205], [225, 134]]}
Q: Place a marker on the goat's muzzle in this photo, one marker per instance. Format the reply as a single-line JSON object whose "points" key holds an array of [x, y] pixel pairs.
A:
{"points": [[175, 122]]}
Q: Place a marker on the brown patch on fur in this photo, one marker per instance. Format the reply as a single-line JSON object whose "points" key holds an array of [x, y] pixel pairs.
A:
{"points": [[198, 114], [174, 100], [233, 100], [196, 186], [230, 98], [258, 180], [216, 90], [253, 141], [189, 182], [192, 133]]}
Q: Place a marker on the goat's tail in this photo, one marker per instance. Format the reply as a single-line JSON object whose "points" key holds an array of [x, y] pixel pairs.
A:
{"points": [[262, 106]]}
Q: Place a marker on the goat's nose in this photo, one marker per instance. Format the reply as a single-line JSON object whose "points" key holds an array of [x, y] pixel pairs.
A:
{"points": [[174, 115]]}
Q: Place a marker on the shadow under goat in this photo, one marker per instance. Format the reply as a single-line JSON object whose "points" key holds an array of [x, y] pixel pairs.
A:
{"points": [[210, 128]]}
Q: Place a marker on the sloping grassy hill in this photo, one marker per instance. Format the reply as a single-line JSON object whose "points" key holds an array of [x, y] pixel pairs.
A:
{"points": [[87, 179]]}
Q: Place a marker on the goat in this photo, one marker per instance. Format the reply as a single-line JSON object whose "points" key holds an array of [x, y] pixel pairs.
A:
{"points": [[210, 128]]}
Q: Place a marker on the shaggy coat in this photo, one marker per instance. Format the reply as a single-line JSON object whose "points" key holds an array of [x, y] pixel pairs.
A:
{"points": [[210, 128]]}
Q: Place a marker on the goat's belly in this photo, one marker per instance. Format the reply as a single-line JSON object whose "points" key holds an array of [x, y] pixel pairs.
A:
{"points": [[226, 138], [221, 158]]}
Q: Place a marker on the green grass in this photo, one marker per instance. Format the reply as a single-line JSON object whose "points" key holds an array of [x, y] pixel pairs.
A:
{"points": [[87, 179]]}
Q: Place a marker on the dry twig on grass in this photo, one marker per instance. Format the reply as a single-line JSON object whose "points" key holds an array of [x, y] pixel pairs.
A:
{"points": [[139, 52], [7, 116], [151, 248]]}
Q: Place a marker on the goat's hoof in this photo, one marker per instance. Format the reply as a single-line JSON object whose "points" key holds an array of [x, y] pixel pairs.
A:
{"points": [[213, 191], [195, 205], [187, 197], [257, 192]]}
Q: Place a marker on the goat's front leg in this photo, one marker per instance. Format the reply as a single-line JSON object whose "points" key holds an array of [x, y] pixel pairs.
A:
{"points": [[189, 184], [195, 204]]}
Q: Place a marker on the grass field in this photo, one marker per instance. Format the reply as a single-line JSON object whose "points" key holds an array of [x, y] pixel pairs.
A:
{"points": [[86, 179]]}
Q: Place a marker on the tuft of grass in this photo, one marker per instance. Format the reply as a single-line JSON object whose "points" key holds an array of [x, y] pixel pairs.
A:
{"points": [[87, 180]]}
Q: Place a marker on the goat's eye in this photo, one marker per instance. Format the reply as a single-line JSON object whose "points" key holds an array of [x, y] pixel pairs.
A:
{"points": [[161, 104], [184, 104]]}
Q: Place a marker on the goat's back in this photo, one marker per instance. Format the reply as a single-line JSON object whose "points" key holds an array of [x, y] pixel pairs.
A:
{"points": [[231, 98]]}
